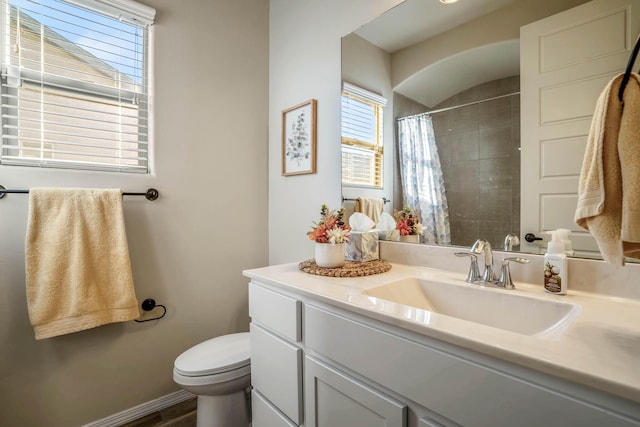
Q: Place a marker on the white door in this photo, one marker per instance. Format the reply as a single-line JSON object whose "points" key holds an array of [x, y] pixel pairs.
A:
{"points": [[566, 60]]}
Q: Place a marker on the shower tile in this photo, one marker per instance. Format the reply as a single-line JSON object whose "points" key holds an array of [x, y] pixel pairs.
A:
{"points": [[444, 149], [441, 123], [495, 204], [464, 233], [463, 176], [494, 113], [464, 119], [515, 83], [495, 142], [494, 174], [464, 146], [463, 205]]}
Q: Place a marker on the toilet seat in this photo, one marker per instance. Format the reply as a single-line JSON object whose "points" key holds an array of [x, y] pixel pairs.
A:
{"points": [[223, 358]]}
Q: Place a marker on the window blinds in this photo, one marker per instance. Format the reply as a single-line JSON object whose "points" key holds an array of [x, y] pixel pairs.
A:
{"points": [[361, 137], [75, 84]]}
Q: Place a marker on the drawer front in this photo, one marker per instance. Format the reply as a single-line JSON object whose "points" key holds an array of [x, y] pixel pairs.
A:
{"points": [[277, 312], [463, 391], [263, 414], [276, 371]]}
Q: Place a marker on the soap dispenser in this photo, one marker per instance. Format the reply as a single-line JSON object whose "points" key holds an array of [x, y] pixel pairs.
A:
{"points": [[563, 234], [555, 265]]}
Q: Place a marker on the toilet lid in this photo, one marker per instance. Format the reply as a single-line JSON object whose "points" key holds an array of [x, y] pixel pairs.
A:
{"points": [[214, 356]]}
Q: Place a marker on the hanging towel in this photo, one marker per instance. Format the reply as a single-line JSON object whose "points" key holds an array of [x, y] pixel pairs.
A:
{"points": [[609, 187], [370, 207], [78, 272]]}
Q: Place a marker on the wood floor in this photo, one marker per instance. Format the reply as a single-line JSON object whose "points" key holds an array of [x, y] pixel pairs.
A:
{"points": [[179, 415]]}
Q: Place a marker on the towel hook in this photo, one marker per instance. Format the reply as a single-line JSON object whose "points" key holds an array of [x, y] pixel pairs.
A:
{"points": [[148, 305], [627, 72]]}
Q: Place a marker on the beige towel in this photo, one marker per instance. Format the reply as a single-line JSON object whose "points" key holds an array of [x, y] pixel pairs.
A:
{"points": [[370, 207], [78, 271], [609, 188]]}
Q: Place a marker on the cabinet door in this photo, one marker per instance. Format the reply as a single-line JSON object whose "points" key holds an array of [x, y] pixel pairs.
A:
{"points": [[336, 400], [265, 415], [276, 371]]}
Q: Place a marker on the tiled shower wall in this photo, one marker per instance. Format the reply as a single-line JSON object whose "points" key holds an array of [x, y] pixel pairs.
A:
{"points": [[479, 147]]}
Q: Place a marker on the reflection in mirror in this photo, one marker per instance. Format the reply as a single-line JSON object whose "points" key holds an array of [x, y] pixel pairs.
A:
{"points": [[467, 76], [477, 134]]}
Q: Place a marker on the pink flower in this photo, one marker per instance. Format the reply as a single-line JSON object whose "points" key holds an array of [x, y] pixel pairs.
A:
{"points": [[330, 228], [405, 229]]}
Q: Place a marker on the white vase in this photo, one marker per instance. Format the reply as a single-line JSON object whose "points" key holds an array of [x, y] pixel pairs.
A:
{"points": [[411, 238], [330, 256]]}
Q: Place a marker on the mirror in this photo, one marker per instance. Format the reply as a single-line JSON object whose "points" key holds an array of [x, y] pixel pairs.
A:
{"points": [[462, 63]]}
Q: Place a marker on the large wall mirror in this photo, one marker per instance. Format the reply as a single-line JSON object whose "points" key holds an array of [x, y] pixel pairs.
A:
{"points": [[461, 62]]}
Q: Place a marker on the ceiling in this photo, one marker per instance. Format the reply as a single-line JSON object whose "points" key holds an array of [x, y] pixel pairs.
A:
{"points": [[414, 21]]}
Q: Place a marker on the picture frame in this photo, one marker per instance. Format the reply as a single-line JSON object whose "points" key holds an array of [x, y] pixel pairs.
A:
{"points": [[299, 139]]}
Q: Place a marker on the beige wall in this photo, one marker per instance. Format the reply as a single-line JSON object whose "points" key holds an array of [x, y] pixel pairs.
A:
{"points": [[304, 63], [188, 248]]}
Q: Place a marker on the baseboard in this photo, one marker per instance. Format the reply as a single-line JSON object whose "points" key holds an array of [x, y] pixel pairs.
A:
{"points": [[142, 409]]}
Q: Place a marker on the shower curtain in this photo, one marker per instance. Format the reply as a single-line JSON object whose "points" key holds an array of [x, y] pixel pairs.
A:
{"points": [[421, 175]]}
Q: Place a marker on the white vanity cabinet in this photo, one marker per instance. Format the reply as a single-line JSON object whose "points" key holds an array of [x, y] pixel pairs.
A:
{"points": [[359, 371], [331, 398], [276, 358]]}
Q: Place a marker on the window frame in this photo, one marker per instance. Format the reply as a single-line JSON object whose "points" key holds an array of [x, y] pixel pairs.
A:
{"points": [[375, 149], [15, 77]]}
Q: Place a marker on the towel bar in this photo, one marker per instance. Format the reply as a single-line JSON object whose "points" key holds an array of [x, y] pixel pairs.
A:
{"points": [[384, 199], [151, 194]]}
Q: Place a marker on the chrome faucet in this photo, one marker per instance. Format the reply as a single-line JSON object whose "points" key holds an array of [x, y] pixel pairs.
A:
{"points": [[510, 241], [482, 246]]}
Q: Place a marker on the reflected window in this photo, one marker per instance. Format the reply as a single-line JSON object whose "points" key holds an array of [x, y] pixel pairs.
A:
{"points": [[362, 142]]}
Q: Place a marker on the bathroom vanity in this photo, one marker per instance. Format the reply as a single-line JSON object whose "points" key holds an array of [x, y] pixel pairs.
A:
{"points": [[391, 350]]}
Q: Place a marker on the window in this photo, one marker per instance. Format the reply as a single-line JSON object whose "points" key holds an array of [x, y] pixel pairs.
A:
{"points": [[362, 142], [75, 79]]}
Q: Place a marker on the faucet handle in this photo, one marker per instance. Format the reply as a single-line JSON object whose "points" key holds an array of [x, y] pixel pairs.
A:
{"points": [[505, 273], [474, 273]]}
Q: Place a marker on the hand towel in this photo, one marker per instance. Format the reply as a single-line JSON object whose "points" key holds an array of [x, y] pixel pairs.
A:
{"points": [[78, 272], [610, 176], [370, 207]]}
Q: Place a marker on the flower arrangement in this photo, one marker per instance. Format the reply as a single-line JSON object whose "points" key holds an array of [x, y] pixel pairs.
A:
{"points": [[330, 228], [407, 222]]}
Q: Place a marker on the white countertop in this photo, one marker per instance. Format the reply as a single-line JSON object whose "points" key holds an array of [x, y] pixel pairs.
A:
{"points": [[600, 348]]}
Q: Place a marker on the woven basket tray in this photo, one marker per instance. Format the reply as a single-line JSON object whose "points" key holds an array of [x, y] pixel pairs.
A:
{"points": [[350, 269]]}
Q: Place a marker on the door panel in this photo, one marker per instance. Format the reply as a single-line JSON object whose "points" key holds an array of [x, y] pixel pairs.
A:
{"points": [[566, 60]]}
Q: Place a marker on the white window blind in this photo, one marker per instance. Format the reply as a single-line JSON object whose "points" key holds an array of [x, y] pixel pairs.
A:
{"points": [[75, 84], [362, 143]]}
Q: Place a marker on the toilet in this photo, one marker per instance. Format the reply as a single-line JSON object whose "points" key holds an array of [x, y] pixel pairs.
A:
{"points": [[218, 372]]}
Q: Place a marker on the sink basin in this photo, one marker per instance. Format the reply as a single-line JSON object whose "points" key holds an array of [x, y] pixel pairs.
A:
{"points": [[498, 308]]}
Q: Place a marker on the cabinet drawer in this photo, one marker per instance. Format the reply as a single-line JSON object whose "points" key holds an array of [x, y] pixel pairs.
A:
{"points": [[279, 313], [466, 392], [265, 415], [276, 371]]}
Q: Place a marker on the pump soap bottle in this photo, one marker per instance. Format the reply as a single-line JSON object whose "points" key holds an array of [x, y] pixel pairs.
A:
{"points": [[555, 266]]}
